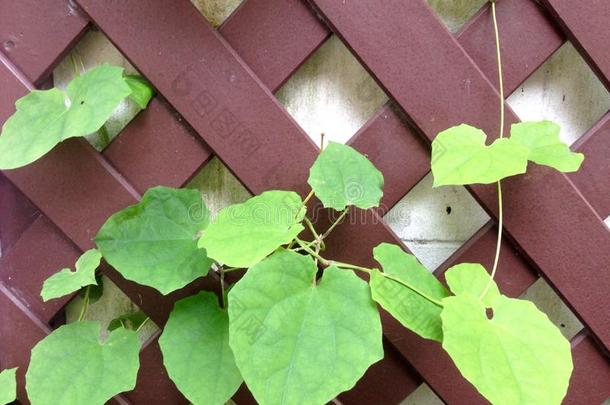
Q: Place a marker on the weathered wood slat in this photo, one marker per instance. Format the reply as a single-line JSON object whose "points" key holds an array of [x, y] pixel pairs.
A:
{"points": [[587, 26]]}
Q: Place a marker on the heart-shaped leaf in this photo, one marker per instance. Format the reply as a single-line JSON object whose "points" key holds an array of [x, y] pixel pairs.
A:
{"points": [[43, 120], [67, 281], [341, 176], [516, 357], [72, 366], [472, 278], [406, 305], [8, 386], [460, 156], [542, 140], [296, 341], [196, 352], [244, 234], [154, 242]]}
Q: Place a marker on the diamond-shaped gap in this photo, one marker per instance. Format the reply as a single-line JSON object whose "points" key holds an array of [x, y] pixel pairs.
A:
{"points": [[547, 300], [456, 13], [435, 222], [565, 90], [331, 93], [112, 304], [216, 11], [218, 186], [93, 50], [423, 395]]}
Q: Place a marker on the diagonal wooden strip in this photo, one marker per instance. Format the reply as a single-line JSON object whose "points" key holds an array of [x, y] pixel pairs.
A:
{"points": [[593, 178], [443, 88], [281, 36], [590, 382], [518, 19], [35, 48], [588, 27]]}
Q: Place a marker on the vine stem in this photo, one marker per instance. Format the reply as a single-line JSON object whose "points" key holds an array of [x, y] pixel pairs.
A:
{"points": [[334, 224], [342, 265], [85, 306], [142, 324], [500, 211]]}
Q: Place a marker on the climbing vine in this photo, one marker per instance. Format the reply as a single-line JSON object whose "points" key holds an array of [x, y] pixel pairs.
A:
{"points": [[299, 326]]}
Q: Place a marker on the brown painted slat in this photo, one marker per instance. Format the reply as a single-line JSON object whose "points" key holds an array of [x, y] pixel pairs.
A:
{"points": [[590, 382], [518, 19], [17, 340], [157, 149], [443, 87], [593, 178], [281, 34], [33, 46], [39, 253], [588, 27], [16, 214]]}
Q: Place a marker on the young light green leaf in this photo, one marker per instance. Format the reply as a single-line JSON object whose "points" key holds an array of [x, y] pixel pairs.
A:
{"points": [[296, 341], [244, 234], [42, 119], [341, 176], [130, 321], [154, 242], [141, 90], [8, 386], [471, 278], [67, 281], [460, 156], [516, 357], [196, 352], [409, 307], [542, 140], [72, 366]]}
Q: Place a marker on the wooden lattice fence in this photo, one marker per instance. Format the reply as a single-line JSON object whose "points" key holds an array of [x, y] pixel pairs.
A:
{"points": [[216, 98]]}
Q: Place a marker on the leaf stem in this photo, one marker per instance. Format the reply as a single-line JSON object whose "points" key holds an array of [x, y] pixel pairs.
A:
{"points": [[500, 210], [142, 324], [334, 224], [317, 237], [85, 306], [328, 263]]}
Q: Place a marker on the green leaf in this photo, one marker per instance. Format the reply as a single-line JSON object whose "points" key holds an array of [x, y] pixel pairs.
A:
{"points": [[460, 156], [411, 309], [72, 366], [42, 119], [154, 242], [141, 90], [542, 140], [67, 281], [471, 278], [8, 385], [196, 352], [296, 341], [341, 176], [244, 234], [95, 290], [129, 321], [516, 357]]}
